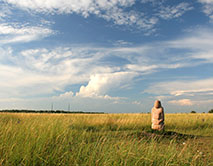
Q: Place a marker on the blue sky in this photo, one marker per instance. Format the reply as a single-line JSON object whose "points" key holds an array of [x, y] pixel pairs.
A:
{"points": [[106, 55]]}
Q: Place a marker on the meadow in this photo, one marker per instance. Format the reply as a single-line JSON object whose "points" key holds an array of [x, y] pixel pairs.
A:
{"points": [[105, 140]]}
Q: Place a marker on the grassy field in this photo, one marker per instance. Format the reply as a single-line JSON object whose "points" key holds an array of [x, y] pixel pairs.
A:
{"points": [[105, 140]]}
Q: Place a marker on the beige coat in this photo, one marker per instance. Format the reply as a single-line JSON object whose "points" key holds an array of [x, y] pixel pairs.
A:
{"points": [[157, 116]]}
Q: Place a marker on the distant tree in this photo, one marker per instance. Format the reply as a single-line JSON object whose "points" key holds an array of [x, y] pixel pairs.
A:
{"points": [[193, 112], [210, 111]]}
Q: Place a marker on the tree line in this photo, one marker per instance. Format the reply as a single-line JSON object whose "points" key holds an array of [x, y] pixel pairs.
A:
{"points": [[49, 111], [210, 111]]}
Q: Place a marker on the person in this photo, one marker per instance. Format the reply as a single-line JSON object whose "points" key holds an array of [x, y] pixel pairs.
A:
{"points": [[157, 116]]}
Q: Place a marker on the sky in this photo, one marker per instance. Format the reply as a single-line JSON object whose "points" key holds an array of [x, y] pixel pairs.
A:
{"points": [[113, 56]]}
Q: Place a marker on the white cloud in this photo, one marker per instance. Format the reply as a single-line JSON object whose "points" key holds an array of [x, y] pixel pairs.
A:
{"points": [[170, 12], [116, 11], [207, 8], [178, 88], [162, 97], [204, 102], [118, 16], [13, 33], [84, 7], [197, 39], [195, 48], [147, 69], [19, 82], [192, 92], [112, 10], [41, 72], [137, 103], [78, 63], [120, 43], [28, 74], [100, 84], [150, 1], [66, 95], [5, 11], [182, 102], [206, 1], [61, 67], [184, 93], [5, 54]]}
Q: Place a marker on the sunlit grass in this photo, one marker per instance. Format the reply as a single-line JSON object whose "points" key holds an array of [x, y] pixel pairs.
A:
{"points": [[104, 139]]}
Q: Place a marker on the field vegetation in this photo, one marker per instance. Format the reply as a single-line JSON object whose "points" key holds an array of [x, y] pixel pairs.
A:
{"points": [[105, 140]]}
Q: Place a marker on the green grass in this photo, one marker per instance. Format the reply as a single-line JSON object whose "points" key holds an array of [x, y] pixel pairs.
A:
{"points": [[105, 140]]}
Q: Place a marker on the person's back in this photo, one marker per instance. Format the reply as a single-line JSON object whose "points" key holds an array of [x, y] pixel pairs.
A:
{"points": [[157, 116]]}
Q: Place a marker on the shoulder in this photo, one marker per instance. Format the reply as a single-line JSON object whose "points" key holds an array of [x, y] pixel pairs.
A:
{"points": [[161, 109], [153, 108]]}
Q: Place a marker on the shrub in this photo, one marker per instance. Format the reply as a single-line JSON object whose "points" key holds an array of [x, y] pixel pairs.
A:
{"points": [[211, 111], [193, 112]]}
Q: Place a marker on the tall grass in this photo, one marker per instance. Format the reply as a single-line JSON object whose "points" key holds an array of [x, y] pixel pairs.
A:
{"points": [[104, 139]]}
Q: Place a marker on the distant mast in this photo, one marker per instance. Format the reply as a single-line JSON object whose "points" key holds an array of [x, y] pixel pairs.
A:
{"points": [[51, 106]]}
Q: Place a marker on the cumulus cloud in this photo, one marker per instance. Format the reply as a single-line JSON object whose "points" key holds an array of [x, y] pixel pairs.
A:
{"points": [[100, 84], [66, 95]]}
